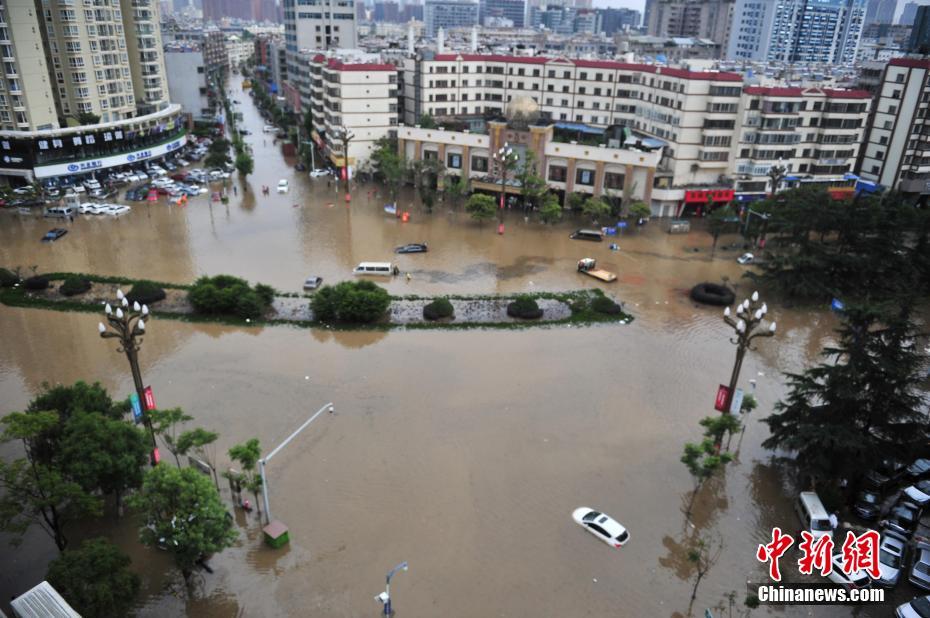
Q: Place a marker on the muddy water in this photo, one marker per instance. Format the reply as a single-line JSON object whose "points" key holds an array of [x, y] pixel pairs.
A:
{"points": [[463, 453]]}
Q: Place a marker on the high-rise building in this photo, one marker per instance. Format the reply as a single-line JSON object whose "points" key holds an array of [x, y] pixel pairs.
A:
{"points": [[386, 12], [919, 42], [880, 11], [908, 14], [325, 24], [215, 10], [187, 79], [701, 19], [610, 21], [751, 31], [448, 14], [826, 31], [514, 10]]}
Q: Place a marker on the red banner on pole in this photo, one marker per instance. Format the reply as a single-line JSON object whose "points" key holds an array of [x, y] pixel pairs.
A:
{"points": [[149, 398], [723, 392]]}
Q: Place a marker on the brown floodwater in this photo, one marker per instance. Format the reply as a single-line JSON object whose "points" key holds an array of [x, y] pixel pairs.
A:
{"points": [[463, 453]]}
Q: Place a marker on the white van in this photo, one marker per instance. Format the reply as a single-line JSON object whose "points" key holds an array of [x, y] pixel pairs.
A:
{"points": [[814, 517], [385, 269], [59, 211]]}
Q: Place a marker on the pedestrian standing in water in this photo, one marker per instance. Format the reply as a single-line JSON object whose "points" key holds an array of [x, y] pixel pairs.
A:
{"points": [[235, 190]]}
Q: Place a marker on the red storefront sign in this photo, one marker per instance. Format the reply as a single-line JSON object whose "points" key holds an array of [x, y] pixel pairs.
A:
{"points": [[149, 398], [707, 196], [720, 403]]}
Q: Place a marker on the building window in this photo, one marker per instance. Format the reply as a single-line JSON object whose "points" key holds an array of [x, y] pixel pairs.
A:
{"points": [[584, 177], [479, 164], [454, 161], [613, 180], [557, 173]]}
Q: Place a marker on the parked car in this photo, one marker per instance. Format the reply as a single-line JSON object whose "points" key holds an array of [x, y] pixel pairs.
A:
{"points": [[54, 234], [919, 493], [868, 505], [269, 128], [182, 162], [282, 186], [244, 132], [919, 468], [903, 518], [602, 526], [856, 579], [168, 165], [416, 247], [24, 190], [116, 209], [892, 556], [920, 570], [746, 258], [916, 608], [312, 283], [318, 173], [876, 481]]}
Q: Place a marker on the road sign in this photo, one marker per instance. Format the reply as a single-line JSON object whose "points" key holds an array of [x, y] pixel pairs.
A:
{"points": [[621, 225], [136, 407], [720, 404], [737, 402], [149, 398]]}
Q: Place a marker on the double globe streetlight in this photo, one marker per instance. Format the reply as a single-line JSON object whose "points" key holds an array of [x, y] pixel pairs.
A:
{"points": [[127, 324], [507, 159], [747, 326]]}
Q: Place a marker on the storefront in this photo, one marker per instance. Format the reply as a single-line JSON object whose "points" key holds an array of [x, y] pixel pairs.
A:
{"points": [[699, 201]]}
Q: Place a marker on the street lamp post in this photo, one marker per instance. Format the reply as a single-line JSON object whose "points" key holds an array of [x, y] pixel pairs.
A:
{"points": [[506, 158], [747, 326], [127, 324], [345, 136], [776, 174], [385, 597]]}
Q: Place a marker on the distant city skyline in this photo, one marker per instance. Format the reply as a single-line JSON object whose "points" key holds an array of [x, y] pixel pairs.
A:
{"points": [[640, 5]]}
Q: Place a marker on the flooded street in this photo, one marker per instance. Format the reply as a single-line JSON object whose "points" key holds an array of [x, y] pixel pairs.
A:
{"points": [[462, 452]]}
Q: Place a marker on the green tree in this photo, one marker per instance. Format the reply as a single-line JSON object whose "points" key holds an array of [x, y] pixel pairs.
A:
{"points": [[456, 188], [861, 406], [481, 207], [183, 514], [167, 423], [390, 166], [576, 201], [640, 210], [247, 455], [216, 159], [702, 461], [103, 454], [357, 302], [427, 122], [533, 187], [244, 164], [95, 579], [703, 556], [719, 221], [203, 444], [596, 208], [426, 176], [85, 118], [550, 211]]}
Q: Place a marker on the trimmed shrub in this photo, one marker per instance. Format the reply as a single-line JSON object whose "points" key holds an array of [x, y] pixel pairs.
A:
{"points": [[265, 292], [604, 305], [38, 282], [359, 302], [439, 308], [226, 295], [74, 285], [145, 293], [524, 307], [7, 278]]}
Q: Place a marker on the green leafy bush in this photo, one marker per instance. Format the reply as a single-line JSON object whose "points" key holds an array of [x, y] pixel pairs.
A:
{"points": [[350, 301], [604, 305], [265, 292], [36, 283], [7, 278], [74, 285], [439, 308], [145, 293], [227, 295], [524, 307]]}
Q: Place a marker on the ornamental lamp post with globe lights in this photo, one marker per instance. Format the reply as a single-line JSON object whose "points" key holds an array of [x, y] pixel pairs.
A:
{"points": [[747, 326], [507, 159], [127, 324]]}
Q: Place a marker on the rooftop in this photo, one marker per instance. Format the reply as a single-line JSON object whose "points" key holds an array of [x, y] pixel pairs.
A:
{"points": [[830, 93]]}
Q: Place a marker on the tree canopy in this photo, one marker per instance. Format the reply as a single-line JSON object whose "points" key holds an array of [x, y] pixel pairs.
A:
{"points": [[95, 579], [481, 207]]}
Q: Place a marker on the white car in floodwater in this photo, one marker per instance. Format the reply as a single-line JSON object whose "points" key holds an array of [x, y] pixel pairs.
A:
{"points": [[601, 525], [282, 186]]}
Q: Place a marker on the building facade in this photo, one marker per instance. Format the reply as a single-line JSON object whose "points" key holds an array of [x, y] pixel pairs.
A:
{"points": [[816, 31], [447, 14], [320, 24], [512, 10], [611, 21], [897, 150], [359, 98], [919, 43], [187, 80], [880, 11], [751, 31], [703, 19]]}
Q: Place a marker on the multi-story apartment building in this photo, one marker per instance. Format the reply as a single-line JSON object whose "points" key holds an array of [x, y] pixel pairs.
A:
{"points": [[320, 24], [187, 80], [447, 14], [751, 31], [215, 56], [354, 96], [897, 150], [513, 10], [28, 100], [825, 31], [703, 19], [715, 132]]}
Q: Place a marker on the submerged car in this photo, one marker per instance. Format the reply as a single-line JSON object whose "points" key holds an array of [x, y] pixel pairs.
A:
{"points": [[868, 504], [312, 283], [856, 579], [415, 247], [318, 173], [892, 555], [916, 608], [282, 186], [54, 234], [920, 570], [602, 526], [919, 468], [919, 493], [746, 258]]}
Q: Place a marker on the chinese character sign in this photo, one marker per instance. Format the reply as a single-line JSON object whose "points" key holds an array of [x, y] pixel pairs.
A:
{"points": [[858, 553], [774, 550]]}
